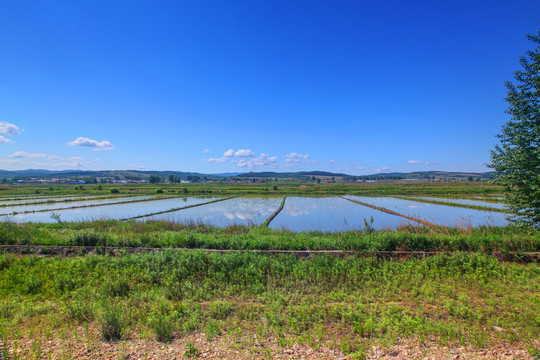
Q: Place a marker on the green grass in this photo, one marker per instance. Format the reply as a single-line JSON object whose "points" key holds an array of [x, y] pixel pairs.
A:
{"points": [[453, 189], [349, 302], [161, 234]]}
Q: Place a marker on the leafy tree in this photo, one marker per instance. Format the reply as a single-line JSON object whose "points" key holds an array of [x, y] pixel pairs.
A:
{"points": [[90, 180], [155, 179], [516, 158]]}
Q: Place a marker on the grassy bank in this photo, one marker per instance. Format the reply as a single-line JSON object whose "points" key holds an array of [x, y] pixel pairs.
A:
{"points": [[348, 304], [425, 188], [163, 234]]}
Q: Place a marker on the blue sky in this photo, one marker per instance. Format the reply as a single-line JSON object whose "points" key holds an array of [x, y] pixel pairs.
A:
{"points": [[231, 86]]}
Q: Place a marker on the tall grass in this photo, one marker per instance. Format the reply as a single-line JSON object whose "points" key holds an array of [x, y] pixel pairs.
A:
{"points": [[160, 234]]}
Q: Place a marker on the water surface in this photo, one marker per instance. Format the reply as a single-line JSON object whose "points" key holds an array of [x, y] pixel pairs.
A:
{"points": [[117, 211], [39, 207], [331, 214], [494, 205], [438, 214], [237, 211]]}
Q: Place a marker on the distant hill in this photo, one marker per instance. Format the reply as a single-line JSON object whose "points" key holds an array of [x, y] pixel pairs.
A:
{"points": [[124, 174], [429, 175], [144, 174], [27, 173]]}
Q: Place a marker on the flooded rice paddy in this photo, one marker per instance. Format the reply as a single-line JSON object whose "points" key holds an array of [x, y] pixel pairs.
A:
{"points": [[11, 210], [437, 214], [237, 211], [495, 205], [116, 211], [325, 214], [51, 199], [330, 214]]}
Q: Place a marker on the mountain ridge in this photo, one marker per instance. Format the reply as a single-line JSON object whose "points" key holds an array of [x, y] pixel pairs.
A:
{"points": [[144, 174]]}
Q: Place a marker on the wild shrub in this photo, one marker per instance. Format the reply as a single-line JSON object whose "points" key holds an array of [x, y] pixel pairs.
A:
{"points": [[79, 310], [32, 285], [88, 238], [112, 322], [116, 288], [220, 310], [191, 350], [212, 329], [64, 283], [163, 326]]}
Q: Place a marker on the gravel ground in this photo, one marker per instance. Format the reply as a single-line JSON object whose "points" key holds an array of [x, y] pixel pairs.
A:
{"points": [[86, 344]]}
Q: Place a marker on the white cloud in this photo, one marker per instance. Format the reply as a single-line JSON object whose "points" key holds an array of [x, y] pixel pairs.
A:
{"points": [[98, 145], [359, 167], [384, 168], [8, 129], [418, 162], [5, 140], [295, 157], [228, 153], [217, 160], [25, 155], [244, 153], [332, 161], [239, 153], [206, 151], [22, 159], [261, 160]]}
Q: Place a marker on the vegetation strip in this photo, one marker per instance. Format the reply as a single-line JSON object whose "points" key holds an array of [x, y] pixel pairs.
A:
{"points": [[449, 203], [177, 209], [423, 222], [86, 206], [51, 250], [269, 220], [82, 306]]}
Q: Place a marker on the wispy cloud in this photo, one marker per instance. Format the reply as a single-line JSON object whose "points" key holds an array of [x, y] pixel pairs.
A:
{"points": [[384, 168], [359, 167], [25, 155], [8, 129], [23, 159], [299, 158], [332, 161], [97, 145], [295, 157], [206, 151], [5, 140], [418, 162], [217, 160]]}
